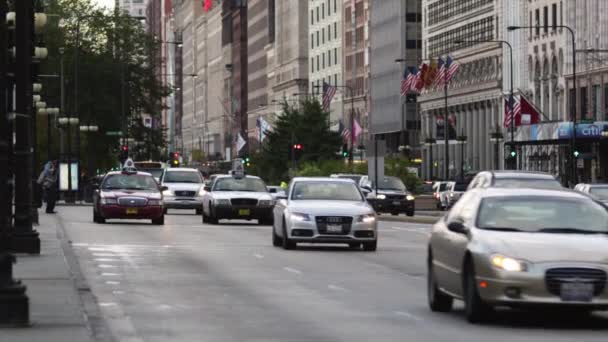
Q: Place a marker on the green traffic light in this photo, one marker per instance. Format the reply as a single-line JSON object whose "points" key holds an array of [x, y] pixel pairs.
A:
{"points": [[513, 154], [345, 154], [576, 154]]}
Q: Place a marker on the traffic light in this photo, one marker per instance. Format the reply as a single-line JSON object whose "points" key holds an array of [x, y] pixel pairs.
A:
{"points": [[124, 153], [513, 154], [174, 159], [345, 151], [576, 154]]}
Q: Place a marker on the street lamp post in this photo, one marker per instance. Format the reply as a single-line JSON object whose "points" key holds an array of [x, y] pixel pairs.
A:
{"points": [[496, 137], [461, 140], [511, 98], [573, 176]]}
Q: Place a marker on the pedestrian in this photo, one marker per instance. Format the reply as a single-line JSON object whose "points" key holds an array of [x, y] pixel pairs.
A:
{"points": [[48, 180]]}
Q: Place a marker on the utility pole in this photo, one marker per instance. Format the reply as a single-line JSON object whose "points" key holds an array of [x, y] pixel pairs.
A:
{"points": [[14, 303], [25, 239]]}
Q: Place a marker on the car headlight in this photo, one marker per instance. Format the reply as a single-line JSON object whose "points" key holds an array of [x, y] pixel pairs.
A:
{"points": [[266, 203], [167, 193], [381, 196], [201, 192], [300, 217], [369, 218], [451, 195], [509, 264], [109, 200], [154, 202], [410, 197], [222, 201]]}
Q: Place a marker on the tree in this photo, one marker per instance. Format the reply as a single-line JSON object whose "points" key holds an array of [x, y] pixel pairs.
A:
{"points": [[307, 125]]}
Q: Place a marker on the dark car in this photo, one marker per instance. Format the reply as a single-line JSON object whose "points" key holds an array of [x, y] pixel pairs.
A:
{"points": [[128, 195], [392, 196], [514, 180]]}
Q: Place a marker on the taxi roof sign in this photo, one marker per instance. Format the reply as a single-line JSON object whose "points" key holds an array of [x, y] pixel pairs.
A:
{"points": [[129, 166], [238, 171]]}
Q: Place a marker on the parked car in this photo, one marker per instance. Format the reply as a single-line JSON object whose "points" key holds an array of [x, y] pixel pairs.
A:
{"points": [[324, 210], [514, 179], [597, 191], [392, 196], [519, 248]]}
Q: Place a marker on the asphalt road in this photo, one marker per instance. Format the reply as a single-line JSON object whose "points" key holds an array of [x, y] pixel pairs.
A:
{"points": [[186, 281]]}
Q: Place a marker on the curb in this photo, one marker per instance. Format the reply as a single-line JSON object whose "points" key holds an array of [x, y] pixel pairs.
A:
{"points": [[412, 219]]}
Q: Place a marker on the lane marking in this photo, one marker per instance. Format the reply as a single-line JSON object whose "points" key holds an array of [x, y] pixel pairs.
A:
{"points": [[259, 256], [107, 259], [107, 304], [118, 292], [105, 266], [103, 255], [408, 315], [110, 274], [113, 282], [336, 288], [292, 270]]}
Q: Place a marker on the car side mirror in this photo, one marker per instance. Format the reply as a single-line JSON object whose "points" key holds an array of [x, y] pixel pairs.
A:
{"points": [[272, 190], [207, 188], [164, 188], [457, 227]]}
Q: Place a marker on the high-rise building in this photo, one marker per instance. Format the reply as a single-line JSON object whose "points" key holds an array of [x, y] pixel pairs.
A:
{"points": [[325, 50], [134, 8], [475, 101], [356, 64], [395, 44]]}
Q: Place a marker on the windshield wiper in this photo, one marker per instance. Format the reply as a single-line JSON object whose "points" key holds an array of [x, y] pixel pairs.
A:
{"points": [[570, 231], [502, 229]]}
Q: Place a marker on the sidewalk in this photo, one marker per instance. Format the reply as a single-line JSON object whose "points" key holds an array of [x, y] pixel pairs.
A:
{"points": [[56, 312]]}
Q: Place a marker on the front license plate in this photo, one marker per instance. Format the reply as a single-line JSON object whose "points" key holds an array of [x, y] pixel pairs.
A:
{"points": [[131, 211], [576, 292], [396, 203], [244, 212], [334, 228]]}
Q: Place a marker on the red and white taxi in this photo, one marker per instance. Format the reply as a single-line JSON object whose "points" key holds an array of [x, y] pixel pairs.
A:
{"points": [[128, 194]]}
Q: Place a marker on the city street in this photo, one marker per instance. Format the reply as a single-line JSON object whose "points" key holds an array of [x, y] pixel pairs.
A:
{"points": [[186, 281]]}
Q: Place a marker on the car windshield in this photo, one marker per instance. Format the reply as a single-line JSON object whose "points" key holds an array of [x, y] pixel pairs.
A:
{"points": [[442, 187], [460, 187], [531, 183], [390, 183], [542, 214], [129, 182], [243, 184], [599, 192], [328, 191], [182, 177]]}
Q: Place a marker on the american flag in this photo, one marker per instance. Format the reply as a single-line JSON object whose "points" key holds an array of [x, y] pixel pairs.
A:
{"points": [[440, 74], [328, 94], [413, 78], [451, 67], [344, 133], [405, 82], [509, 117]]}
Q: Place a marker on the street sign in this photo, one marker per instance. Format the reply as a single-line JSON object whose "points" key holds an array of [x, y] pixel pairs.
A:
{"points": [[580, 163]]}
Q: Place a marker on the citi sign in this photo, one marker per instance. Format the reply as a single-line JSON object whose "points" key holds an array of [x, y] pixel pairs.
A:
{"points": [[590, 131]]}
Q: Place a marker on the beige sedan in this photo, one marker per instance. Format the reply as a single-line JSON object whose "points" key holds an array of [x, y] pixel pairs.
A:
{"points": [[519, 248]]}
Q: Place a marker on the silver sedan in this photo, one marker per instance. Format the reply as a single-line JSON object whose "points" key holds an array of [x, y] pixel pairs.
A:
{"points": [[324, 210], [519, 248]]}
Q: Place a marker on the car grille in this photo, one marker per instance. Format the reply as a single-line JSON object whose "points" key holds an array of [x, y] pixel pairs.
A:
{"points": [[132, 201], [244, 201], [344, 221], [555, 277], [185, 193], [395, 197]]}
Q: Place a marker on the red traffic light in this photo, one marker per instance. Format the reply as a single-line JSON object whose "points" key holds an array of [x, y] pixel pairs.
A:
{"points": [[297, 146], [125, 148], [176, 155]]}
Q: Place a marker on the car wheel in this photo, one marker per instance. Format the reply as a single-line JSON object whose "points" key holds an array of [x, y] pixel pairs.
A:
{"points": [[276, 240], [438, 301], [475, 309], [395, 213], [287, 243], [165, 210], [199, 211], [98, 218], [212, 219], [354, 245], [159, 221], [409, 213], [370, 246]]}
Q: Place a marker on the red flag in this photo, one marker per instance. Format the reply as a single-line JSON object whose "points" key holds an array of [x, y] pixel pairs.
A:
{"points": [[207, 5], [421, 77], [528, 114]]}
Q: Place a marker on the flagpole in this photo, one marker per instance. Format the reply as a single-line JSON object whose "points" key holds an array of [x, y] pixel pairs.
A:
{"points": [[445, 124]]}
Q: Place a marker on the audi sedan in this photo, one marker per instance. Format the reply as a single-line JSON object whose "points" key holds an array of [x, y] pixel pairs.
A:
{"points": [[324, 210], [128, 195], [185, 189], [233, 197], [519, 248]]}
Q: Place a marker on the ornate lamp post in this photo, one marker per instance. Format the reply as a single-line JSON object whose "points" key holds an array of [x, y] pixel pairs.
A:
{"points": [[429, 143], [461, 140], [496, 137]]}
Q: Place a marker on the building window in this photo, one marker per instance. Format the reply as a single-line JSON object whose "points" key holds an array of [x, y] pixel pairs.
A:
{"points": [[537, 23], [323, 35], [329, 58], [323, 11], [482, 29], [584, 103], [323, 60], [546, 19], [312, 40], [561, 14], [335, 56], [335, 6], [312, 64], [336, 30], [312, 17], [335, 79], [443, 10], [271, 20], [412, 17], [530, 31], [317, 14], [410, 44], [318, 63], [317, 38], [328, 33], [554, 15]]}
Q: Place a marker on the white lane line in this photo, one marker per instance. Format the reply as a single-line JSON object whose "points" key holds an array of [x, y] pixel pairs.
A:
{"points": [[106, 259], [259, 256], [105, 266], [408, 315], [336, 288], [292, 270], [117, 292], [110, 274], [112, 282], [104, 255], [107, 304]]}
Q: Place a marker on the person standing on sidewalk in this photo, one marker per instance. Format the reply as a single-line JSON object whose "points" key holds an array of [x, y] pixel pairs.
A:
{"points": [[48, 179]]}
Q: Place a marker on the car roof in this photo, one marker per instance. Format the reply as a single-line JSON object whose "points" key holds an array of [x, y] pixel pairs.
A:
{"points": [[346, 174], [598, 185], [230, 176], [136, 173], [522, 174], [187, 169], [524, 192], [323, 179]]}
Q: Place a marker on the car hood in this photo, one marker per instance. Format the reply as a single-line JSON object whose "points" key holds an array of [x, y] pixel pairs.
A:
{"points": [[330, 208], [183, 186], [242, 194], [547, 247], [392, 192], [131, 193]]}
